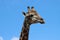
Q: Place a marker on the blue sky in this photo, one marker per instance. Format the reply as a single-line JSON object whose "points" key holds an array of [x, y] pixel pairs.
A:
{"points": [[11, 19]]}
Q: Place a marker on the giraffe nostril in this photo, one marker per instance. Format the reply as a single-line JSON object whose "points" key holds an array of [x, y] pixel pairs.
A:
{"points": [[41, 19]]}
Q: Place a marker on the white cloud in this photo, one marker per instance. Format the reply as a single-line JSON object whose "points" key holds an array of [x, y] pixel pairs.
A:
{"points": [[15, 38], [1, 38]]}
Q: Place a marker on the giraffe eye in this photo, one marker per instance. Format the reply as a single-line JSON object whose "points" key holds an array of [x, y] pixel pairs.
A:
{"points": [[31, 15]]}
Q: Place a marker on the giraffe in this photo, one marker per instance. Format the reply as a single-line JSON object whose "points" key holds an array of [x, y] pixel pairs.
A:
{"points": [[31, 17]]}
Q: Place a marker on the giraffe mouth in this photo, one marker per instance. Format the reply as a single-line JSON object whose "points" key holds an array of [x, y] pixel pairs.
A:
{"points": [[42, 22]]}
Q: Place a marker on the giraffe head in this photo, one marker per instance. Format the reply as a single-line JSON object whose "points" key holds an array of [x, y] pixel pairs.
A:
{"points": [[32, 16]]}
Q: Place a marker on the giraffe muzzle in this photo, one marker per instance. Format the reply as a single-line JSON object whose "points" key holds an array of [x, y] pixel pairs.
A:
{"points": [[42, 22]]}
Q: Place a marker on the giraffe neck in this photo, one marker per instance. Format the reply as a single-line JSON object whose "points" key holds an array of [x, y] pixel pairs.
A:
{"points": [[25, 31]]}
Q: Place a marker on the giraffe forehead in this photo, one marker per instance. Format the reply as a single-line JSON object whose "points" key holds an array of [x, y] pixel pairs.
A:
{"points": [[33, 14]]}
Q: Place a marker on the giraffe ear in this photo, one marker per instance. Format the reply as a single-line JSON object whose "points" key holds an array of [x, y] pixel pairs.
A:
{"points": [[24, 13]]}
